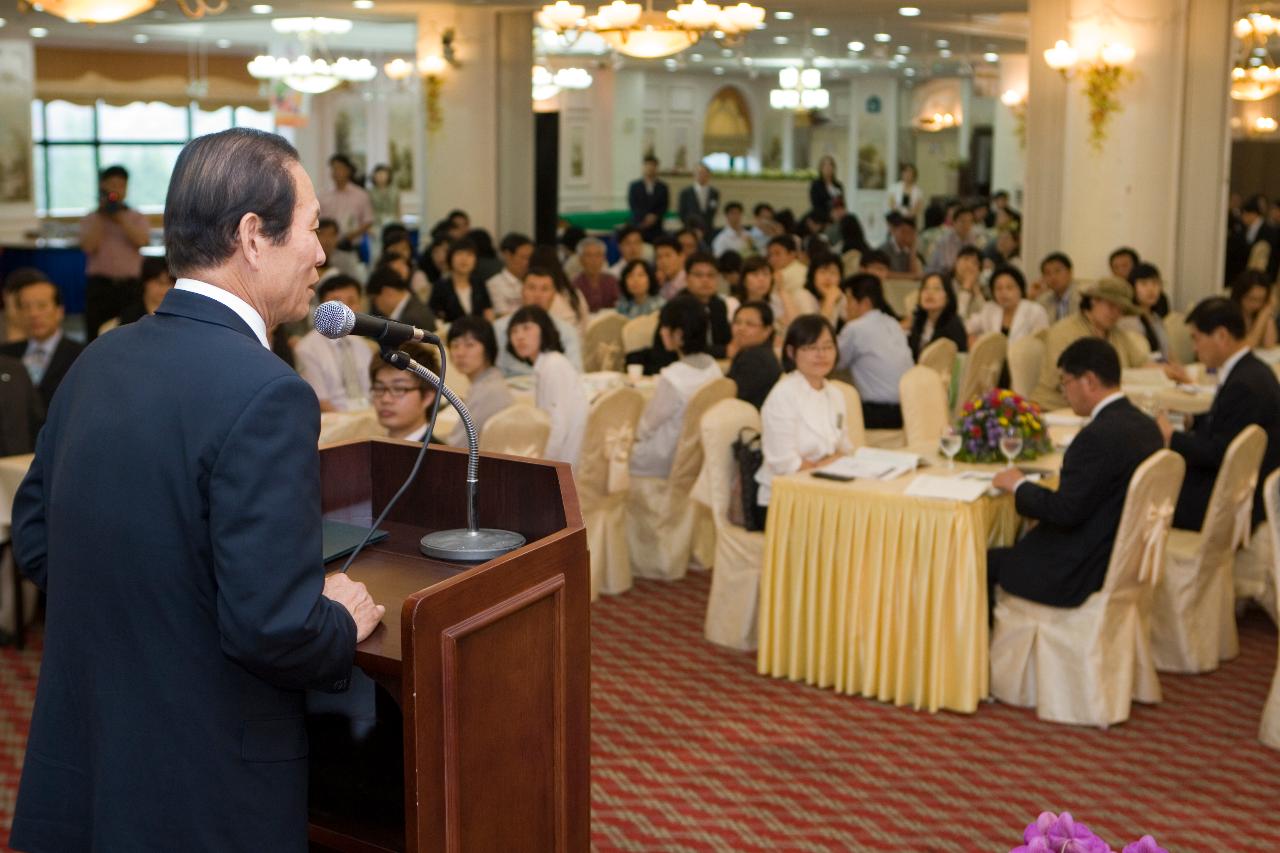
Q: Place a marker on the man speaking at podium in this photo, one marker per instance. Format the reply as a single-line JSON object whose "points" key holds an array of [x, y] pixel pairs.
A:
{"points": [[172, 514]]}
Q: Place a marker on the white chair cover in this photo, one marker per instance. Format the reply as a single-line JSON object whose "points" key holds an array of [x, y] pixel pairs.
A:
{"points": [[603, 479], [602, 344], [1084, 665], [1254, 573], [1260, 256], [519, 430], [853, 426], [1269, 731], [940, 356], [735, 581], [1175, 326], [664, 528], [981, 368], [924, 405], [1025, 355], [637, 333], [1193, 624]]}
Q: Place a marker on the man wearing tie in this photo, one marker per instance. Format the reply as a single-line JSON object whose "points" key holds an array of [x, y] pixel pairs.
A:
{"points": [[338, 368], [649, 200], [46, 353], [700, 201], [172, 516]]}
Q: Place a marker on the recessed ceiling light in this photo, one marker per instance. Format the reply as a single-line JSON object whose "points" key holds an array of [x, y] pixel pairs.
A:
{"points": [[719, 34], [944, 53], [856, 46], [748, 61], [141, 38], [670, 63], [909, 11], [223, 43], [2, 23], [780, 39], [942, 43], [902, 48], [697, 57], [260, 9], [883, 38], [910, 72], [821, 31], [762, 25], [726, 53], [718, 70], [783, 16], [362, 4], [991, 57], [38, 32]]}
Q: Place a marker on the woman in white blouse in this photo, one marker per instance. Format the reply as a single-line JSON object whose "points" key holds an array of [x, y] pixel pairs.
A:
{"points": [[1011, 313], [905, 196], [683, 327], [532, 338], [803, 418]]}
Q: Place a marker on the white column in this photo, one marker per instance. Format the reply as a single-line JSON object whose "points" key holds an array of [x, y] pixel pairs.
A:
{"points": [[788, 141], [966, 127], [1009, 155], [628, 133]]}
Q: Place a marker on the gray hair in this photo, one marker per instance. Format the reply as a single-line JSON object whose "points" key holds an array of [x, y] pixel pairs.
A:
{"points": [[589, 242]]}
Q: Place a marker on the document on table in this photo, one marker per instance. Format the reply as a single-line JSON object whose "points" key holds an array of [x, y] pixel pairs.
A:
{"points": [[947, 488], [870, 463], [985, 478]]}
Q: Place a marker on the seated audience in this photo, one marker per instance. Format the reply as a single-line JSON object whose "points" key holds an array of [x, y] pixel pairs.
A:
{"points": [[1005, 249], [803, 418], [631, 247], [21, 409], [1064, 558], [876, 263], [764, 225], [901, 246], [329, 236], [1010, 312], [756, 285], [461, 292], [754, 364], [639, 290], [397, 252], [338, 369], [390, 297], [689, 242], [1102, 305], [822, 283], [44, 350], [1252, 292], [874, 351], [504, 287], [935, 316], [702, 278], [683, 327], [488, 264], [432, 260], [567, 250], [403, 400], [1247, 394], [733, 237], [558, 383], [599, 287], [569, 304], [473, 352], [961, 233], [1122, 261], [966, 280], [156, 282], [1061, 297], [788, 271], [538, 290], [668, 260], [1148, 295], [729, 265]]}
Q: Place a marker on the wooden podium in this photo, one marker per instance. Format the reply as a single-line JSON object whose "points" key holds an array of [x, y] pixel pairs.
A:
{"points": [[489, 663]]}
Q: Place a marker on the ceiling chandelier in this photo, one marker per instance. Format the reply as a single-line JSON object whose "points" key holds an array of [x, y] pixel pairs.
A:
{"points": [[547, 84], [642, 33], [800, 89], [1254, 75], [110, 11], [312, 76]]}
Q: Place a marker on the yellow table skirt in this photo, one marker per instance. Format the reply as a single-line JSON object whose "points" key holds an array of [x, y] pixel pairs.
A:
{"points": [[878, 594]]}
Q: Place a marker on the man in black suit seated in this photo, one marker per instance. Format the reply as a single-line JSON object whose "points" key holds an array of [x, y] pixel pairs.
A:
{"points": [[46, 352], [21, 411], [649, 200], [1247, 394], [390, 296], [1063, 560]]}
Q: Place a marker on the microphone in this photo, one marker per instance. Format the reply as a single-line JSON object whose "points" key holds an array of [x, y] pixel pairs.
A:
{"points": [[335, 320]]}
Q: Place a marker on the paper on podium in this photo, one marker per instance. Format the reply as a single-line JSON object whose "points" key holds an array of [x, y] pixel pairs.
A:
{"points": [[947, 488]]}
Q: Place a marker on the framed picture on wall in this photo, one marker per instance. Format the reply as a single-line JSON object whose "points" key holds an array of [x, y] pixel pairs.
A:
{"points": [[16, 71], [576, 152]]}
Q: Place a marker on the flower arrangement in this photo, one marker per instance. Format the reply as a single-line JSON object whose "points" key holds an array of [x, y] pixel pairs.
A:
{"points": [[1102, 83], [1053, 833], [989, 416]]}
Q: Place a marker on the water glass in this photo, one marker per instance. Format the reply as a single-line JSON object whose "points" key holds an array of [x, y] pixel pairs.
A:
{"points": [[950, 444], [1011, 445]]}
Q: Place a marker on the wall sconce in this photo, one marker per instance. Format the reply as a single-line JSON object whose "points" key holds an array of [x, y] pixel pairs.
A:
{"points": [[937, 121], [1016, 102], [1104, 71], [1263, 125]]}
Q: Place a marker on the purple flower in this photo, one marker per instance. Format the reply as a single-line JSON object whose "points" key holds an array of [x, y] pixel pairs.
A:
{"points": [[1060, 834], [1145, 844]]}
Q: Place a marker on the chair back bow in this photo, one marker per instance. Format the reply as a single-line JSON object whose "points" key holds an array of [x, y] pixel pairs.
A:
{"points": [[608, 355], [1244, 515], [617, 449], [1159, 517]]}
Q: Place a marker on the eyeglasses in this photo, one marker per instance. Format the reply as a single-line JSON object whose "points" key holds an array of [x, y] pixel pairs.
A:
{"points": [[817, 349], [393, 391]]}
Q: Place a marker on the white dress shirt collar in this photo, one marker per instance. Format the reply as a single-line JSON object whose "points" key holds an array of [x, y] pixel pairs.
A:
{"points": [[243, 309], [1229, 365], [1104, 402], [47, 346], [399, 309], [418, 434]]}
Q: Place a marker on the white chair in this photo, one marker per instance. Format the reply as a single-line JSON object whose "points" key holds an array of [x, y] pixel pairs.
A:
{"points": [[1193, 625], [924, 405], [940, 356], [1085, 665], [739, 554], [1259, 256], [1025, 355], [637, 333], [1269, 731], [664, 528], [1175, 326], [519, 430], [981, 368], [859, 435], [603, 480], [602, 344]]}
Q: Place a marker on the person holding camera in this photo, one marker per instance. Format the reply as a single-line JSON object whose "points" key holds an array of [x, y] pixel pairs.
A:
{"points": [[110, 238]]}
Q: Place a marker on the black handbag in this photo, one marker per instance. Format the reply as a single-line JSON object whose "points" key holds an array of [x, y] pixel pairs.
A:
{"points": [[748, 457]]}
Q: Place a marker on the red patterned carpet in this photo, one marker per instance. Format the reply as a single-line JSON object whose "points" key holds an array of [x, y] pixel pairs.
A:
{"points": [[691, 750]]}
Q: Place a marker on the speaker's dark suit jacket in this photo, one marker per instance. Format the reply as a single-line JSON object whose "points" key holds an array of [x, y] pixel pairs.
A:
{"points": [[59, 363], [687, 206], [642, 202], [1063, 560], [172, 514], [21, 411], [1250, 395]]}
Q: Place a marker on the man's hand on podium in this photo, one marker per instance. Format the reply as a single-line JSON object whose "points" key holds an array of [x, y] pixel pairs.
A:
{"points": [[355, 597]]}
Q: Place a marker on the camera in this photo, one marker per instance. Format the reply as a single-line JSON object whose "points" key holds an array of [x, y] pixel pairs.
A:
{"points": [[109, 202]]}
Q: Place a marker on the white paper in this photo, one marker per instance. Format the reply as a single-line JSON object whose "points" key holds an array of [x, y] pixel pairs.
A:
{"points": [[873, 463], [1063, 419], [960, 488]]}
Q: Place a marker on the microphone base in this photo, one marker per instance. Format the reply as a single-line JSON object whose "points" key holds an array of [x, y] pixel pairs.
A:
{"points": [[467, 546]]}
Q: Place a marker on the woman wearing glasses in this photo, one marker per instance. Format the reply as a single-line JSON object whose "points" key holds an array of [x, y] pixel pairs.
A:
{"points": [[400, 398]]}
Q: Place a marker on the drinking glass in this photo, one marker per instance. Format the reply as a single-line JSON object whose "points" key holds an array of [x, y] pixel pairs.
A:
{"points": [[1011, 445], [950, 443]]}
